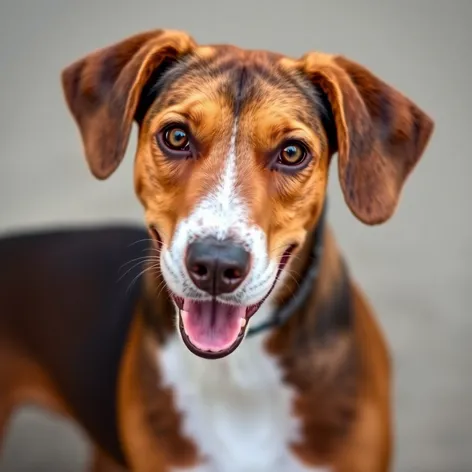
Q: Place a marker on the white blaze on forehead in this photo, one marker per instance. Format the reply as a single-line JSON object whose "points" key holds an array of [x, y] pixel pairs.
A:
{"points": [[223, 212], [223, 207]]}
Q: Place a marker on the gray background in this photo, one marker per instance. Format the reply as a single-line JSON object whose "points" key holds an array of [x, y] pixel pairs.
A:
{"points": [[416, 268]]}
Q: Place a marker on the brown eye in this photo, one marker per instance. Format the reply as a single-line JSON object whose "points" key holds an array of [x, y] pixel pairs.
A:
{"points": [[175, 142], [177, 139], [292, 154]]}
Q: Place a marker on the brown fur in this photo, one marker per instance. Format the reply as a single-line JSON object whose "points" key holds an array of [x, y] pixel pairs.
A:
{"points": [[380, 133], [150, 426], [338, 365], [341, 370]]}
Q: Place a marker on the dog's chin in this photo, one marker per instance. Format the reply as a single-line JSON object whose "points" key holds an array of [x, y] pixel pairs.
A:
{"points": [[214, 329]]}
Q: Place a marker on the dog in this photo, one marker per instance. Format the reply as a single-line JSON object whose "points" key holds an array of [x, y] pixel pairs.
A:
{"points": [[227, 334]]}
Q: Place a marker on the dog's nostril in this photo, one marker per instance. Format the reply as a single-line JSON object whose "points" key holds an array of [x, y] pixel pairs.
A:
{"points": [[200, 270], [232, 274]]}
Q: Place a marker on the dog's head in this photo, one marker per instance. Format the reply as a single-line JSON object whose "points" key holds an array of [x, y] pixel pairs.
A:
{"points": [[232, 162]]}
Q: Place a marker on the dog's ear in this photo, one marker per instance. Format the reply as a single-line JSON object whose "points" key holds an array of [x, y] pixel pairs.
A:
{"points": [[381, 134], [102, 91]]}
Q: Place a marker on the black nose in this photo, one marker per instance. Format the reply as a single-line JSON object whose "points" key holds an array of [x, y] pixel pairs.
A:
{"points": [[217, 267]]}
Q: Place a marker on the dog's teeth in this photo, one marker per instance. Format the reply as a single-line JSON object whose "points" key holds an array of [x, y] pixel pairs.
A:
{"points": [[243, 322]]}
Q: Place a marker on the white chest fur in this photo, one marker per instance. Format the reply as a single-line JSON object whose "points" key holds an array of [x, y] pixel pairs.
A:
{"points": [[236, 409]]}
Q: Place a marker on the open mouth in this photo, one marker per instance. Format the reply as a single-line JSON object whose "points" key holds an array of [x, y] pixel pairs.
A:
{"points": [[212, 329]]}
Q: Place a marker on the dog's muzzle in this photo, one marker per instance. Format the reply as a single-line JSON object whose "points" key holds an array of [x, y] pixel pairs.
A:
{"points": [[214, 328]]}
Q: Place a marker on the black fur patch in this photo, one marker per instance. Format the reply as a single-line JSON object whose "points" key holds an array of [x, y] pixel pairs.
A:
{"points": [[67, 295]]}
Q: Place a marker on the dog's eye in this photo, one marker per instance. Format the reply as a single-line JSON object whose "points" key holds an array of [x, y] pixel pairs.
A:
{"points": [[176, 139], [292, 154]]}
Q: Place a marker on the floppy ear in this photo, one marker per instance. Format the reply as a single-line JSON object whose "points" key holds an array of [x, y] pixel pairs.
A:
{"points": [[102, 91], [381, 134]]}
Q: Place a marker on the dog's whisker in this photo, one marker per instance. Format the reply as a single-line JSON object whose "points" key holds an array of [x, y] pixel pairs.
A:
{"points": [[141, 241], [294, 276], [144, 262], [146, 269], [141, 258], [136, 262], [277, 248], [161, 288], [154, 249]]}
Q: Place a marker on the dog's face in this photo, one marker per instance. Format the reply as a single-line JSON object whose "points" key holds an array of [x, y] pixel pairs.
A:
{"points": [[232, 161]]}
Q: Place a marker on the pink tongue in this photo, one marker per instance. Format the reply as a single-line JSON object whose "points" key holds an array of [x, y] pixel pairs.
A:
{"points": [[211, 326]]}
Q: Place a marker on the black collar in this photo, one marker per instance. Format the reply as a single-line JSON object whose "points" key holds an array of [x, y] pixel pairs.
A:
{"points": [[284, 312]]}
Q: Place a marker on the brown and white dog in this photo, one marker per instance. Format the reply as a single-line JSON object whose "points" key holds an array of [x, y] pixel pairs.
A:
{"points": [[246, 346]]}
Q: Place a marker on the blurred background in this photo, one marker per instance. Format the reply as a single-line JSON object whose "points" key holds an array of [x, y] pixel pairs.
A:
{"points": [[416, 269]]}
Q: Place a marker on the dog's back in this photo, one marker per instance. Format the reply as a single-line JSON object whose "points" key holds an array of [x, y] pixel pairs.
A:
{"points": [[66, 301]]}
